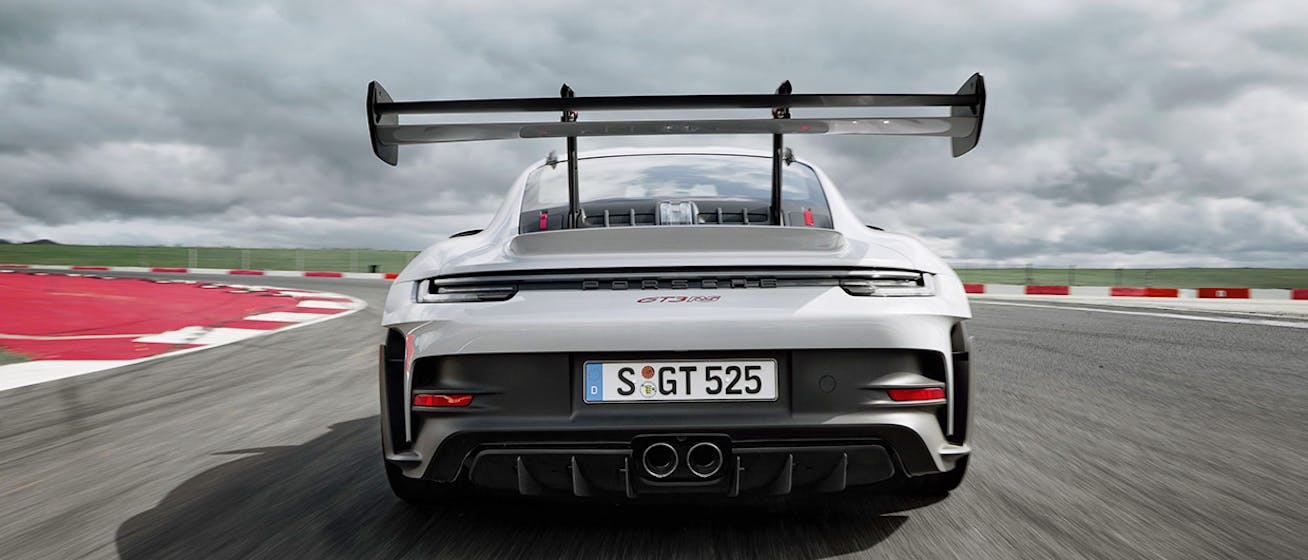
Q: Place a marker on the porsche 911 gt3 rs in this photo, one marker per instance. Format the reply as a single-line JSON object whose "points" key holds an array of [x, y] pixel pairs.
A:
{"points": [[655, 321]]}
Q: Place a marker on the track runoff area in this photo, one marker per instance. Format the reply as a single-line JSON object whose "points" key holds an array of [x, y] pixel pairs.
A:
{"points": [[64, 324], [1106, 427]]}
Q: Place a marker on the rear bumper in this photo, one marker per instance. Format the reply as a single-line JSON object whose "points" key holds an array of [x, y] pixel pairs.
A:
{"points": [[528, 430]]}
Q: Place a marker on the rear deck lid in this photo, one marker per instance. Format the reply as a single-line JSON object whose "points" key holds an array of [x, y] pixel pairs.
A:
{"points": [[665, 240]]}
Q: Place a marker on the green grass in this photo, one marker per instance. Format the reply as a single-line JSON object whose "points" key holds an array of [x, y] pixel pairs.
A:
{"points": [[343, 260], [1286, 278], [7, 358]]}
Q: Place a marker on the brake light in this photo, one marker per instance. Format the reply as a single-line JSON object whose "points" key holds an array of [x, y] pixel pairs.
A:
{"points": [[442, 400], [889, 284], [924, 394], [428, 292]]}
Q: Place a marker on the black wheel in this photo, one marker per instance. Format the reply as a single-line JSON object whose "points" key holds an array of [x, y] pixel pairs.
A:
{"points": [[416, 491], [936, 484]]}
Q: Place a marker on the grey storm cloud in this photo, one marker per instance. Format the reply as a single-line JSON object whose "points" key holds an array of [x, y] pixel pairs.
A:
{"points": [[1117, 133]]}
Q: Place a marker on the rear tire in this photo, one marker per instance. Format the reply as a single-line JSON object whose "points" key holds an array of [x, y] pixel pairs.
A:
{"points": [[937, 484], [416, 491]]}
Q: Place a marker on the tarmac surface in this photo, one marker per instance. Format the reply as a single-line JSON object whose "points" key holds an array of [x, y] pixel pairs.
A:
{"points": [[1097, 435]]}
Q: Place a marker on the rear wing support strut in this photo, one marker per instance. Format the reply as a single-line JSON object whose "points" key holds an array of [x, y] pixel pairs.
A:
{"points": [[778, 154], [574, 191], [962, 126]]}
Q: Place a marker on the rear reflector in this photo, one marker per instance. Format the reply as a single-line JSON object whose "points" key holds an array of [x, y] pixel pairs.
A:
{"points": [[442, 400], [927, 394]]}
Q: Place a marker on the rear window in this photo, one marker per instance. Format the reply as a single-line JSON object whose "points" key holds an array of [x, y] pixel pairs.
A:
{"points": [[631, 190]]}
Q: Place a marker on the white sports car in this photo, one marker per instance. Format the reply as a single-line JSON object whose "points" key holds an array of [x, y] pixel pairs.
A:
{"points": [[644, 322]]}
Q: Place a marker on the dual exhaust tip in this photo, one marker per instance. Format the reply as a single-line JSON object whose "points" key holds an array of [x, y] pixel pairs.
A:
{"points": [[661, 459]]}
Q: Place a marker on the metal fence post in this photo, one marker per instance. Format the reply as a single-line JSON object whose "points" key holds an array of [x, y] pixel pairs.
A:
{"points": [[245, 258], [191, 258], [1071, 275], [1029, 279], [354, 260], [299, 259]]}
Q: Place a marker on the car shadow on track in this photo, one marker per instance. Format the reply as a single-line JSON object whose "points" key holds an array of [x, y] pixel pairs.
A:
{"points": [[328, 498]]}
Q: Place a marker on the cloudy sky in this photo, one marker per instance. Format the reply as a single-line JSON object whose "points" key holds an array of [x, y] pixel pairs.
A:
{"points": [[1159, 133]]}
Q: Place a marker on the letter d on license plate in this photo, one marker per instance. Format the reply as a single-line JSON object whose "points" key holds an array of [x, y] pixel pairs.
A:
{"points": [[681, 381]]}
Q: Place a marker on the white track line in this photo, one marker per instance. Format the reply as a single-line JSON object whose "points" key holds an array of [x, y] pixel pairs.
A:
{"points": [[13, 376], [314, 295], [201, 335], [1235, 320], [323, 304], [285, 317]]}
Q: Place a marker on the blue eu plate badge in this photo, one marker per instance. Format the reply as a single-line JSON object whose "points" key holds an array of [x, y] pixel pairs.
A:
{"points": [[594, 382]]}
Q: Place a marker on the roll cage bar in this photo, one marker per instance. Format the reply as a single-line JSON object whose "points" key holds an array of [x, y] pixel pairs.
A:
{"points": [[963, 125]]}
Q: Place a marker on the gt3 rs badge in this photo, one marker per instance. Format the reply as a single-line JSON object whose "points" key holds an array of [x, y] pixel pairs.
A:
{"points": [[679, 299]]}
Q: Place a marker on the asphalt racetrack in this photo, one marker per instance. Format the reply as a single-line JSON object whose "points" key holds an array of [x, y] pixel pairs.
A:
{"points": [[1099, 435]]}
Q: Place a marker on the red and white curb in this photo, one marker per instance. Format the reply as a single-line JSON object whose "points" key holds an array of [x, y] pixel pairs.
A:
{"points": [[1137, 292], [215, 336], [228, 271], [319, 307]]}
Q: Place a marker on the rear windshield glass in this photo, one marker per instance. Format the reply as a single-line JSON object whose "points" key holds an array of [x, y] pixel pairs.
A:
{"points": [[628, 190]]}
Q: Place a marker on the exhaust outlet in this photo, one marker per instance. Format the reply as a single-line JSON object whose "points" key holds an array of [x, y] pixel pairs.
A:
{"points": [[704, 459], [659, 460]]}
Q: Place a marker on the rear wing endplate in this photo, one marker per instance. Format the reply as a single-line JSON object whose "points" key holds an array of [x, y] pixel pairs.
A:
{"points": [[962, 126]]}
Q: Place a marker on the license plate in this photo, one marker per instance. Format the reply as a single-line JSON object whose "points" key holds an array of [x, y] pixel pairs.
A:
{"points": [[681, 381]]}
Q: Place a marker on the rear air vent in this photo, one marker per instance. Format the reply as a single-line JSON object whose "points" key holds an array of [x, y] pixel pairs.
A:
{"points": [[610, 218], [630, 216], [611, 215], [735, 216]]}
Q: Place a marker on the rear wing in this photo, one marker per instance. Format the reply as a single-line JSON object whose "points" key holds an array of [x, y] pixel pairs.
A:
{"points": [[962, 126]]}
